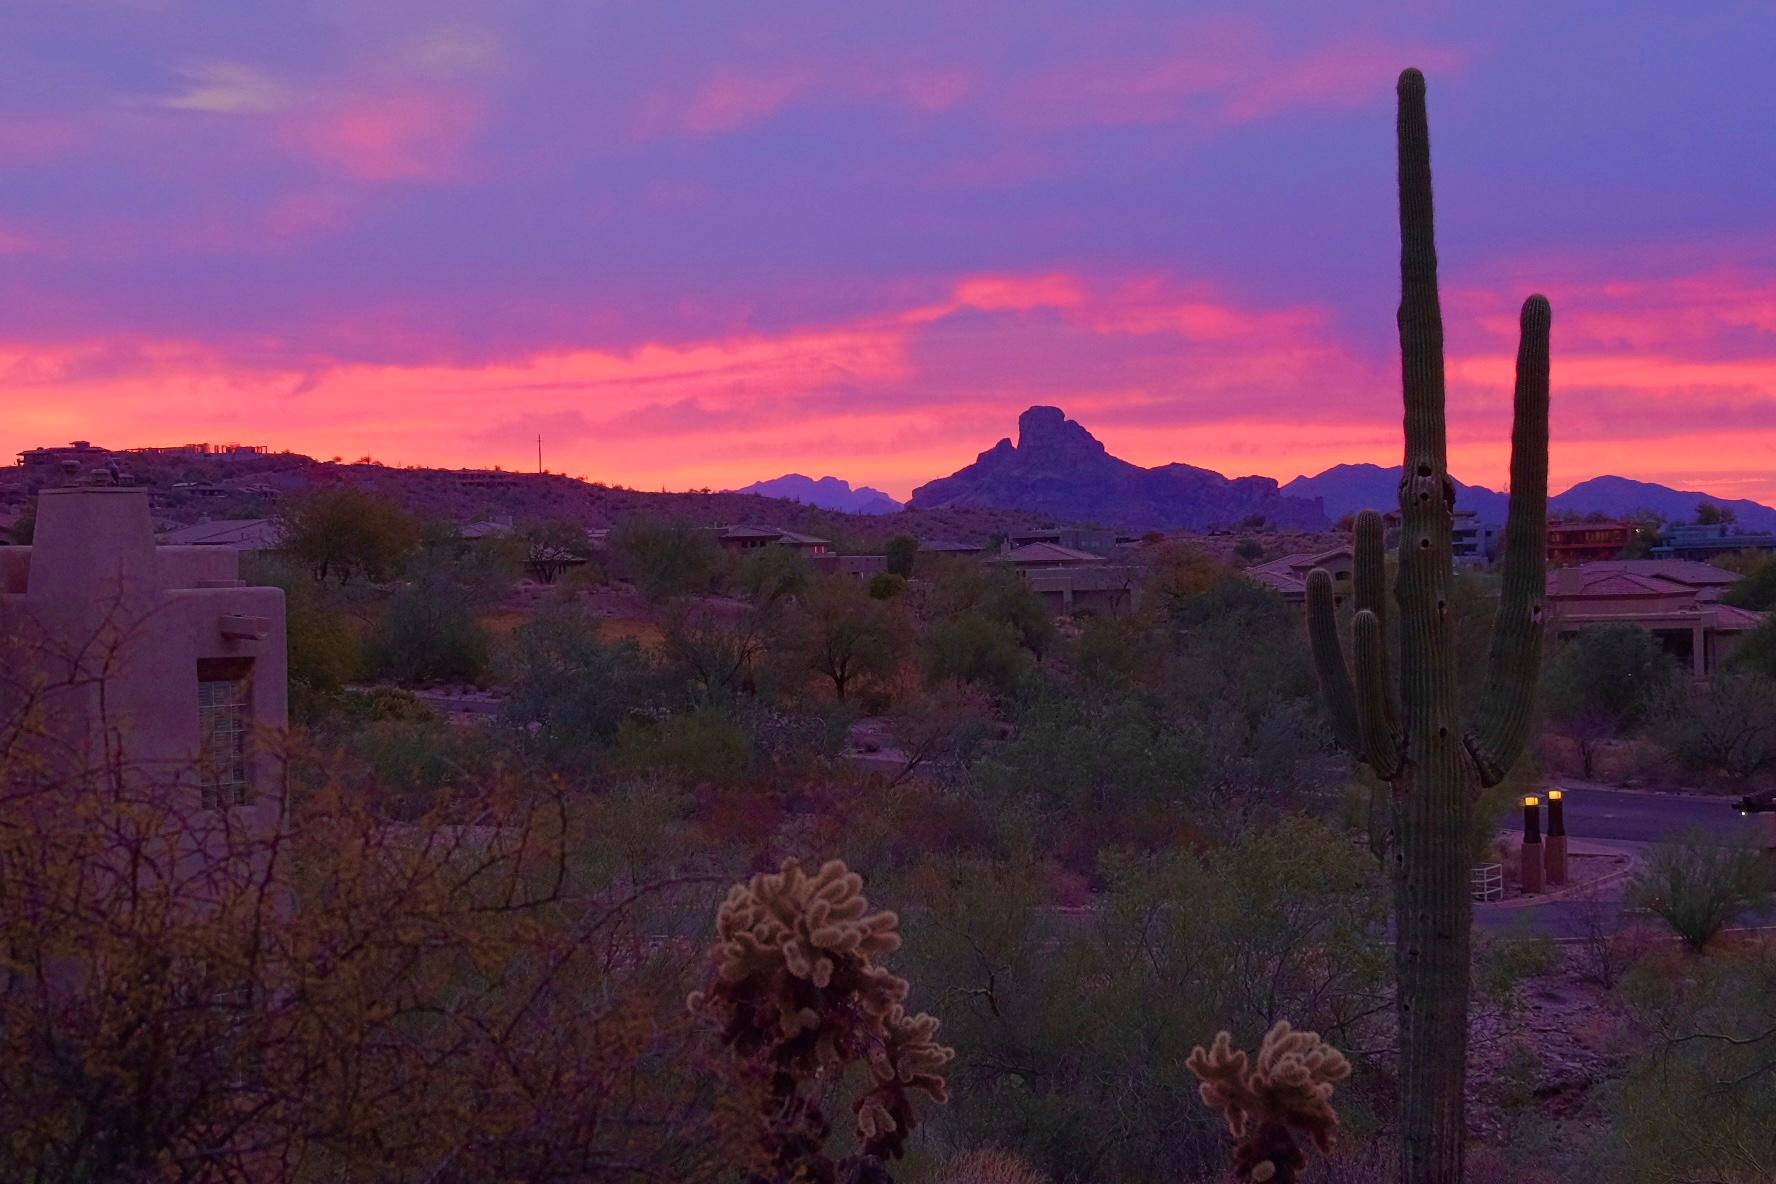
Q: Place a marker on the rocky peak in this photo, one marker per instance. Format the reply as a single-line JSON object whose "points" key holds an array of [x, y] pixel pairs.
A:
{"points": [[1047, 429]]}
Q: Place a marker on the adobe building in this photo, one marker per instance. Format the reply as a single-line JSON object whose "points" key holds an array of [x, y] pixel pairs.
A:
{"points": [[154, 665]]}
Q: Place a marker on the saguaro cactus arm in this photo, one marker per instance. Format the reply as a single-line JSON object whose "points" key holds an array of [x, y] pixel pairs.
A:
{"points": [[1381, 744], [1370, 534], [1506, 712], [1328, 656]]}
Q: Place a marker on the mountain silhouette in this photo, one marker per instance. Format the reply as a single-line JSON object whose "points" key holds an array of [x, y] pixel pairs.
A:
{"points": [[828, 493], [1060, 469]]}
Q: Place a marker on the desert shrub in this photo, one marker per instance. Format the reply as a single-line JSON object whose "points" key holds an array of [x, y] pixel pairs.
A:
{"points": [[1502, 964], [1729, 726], [1700, 1092], [1094, 756], [568, 689], [1700, 885], [887, 585], [1061, 1020], [1756, 651], [429, 634], [1756, 590], [1605, 681], [774, 573], [346, 1010], [900, 554], [666, 559], [974, 649], [693, 748]]}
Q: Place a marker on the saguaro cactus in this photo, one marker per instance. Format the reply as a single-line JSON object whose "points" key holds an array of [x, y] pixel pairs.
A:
{"points": [[1411, 738]]}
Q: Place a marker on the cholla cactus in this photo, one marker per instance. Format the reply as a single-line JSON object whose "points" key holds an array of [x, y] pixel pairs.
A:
{"points": [[1288, 1094], [800, 997]]}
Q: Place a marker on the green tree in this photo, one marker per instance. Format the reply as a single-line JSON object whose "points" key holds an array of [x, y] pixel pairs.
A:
{"points": [[1756, 589], [902, 552], [775, 573], [569, 689], [666, 559], [345, 532], [1713, 514], [551, 546], [843, 634], [1730, 725], [974, 649], [429, 634], [1603, 682]]}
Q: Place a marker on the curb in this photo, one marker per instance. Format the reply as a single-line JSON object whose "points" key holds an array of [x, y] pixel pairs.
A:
{"points": [[1597, 848]]}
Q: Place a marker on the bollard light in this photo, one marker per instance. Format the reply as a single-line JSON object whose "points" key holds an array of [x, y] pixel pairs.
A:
{"points": [[1554, 850], [1532, 872]]}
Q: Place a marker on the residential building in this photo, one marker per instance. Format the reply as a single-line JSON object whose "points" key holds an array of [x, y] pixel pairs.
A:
{"points": [[1287, 576], [1077, 538], [1032, 556], [943, 548], [1474, 543], [154, 665], [1101, 589], [751, 538], [82, 452], [1586, 542], [1677, 604], [236, 534], [1704, 542], [1071, 581]]}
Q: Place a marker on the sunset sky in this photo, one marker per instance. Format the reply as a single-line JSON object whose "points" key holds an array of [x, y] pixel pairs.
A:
{"points": [[700, 244]]}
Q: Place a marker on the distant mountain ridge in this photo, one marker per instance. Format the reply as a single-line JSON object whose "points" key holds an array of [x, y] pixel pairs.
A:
{"points": [[1058, 468], [828, 493], [1345, 489]]}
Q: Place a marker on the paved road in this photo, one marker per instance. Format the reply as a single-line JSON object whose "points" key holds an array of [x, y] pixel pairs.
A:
{"points": [[1614, 815]]}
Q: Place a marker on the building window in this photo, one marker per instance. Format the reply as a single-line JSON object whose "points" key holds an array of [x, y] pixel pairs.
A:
{"points": [[225, 729]]}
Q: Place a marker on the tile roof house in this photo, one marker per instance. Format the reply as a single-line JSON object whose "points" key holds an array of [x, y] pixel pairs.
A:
{"points": [[1678, 604], [1287, 576]]}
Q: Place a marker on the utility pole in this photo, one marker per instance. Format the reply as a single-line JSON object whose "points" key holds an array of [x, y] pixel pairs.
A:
{"points": [[539, 454]]}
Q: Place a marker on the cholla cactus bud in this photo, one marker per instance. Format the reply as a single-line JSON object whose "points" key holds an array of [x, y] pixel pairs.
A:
{"points": [[1288, 1094]]}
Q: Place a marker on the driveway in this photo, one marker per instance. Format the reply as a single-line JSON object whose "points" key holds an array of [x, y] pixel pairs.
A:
{"points": [[1627, 819]]}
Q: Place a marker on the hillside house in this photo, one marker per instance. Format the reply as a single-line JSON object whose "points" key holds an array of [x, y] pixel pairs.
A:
{"points": [[1287, 576], [151, 663], [1586, 542], [751, 538], [1705, 542], [1473, 543], [1677, 601]]}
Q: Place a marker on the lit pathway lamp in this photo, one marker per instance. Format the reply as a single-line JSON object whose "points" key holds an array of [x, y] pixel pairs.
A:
{"points": [[1532, 845], [1554, 853]]}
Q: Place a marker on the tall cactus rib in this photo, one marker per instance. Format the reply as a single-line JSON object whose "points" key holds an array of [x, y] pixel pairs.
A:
{"points": [[1435, 768]]}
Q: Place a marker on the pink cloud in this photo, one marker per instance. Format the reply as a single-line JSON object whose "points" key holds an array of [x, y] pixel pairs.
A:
{"points": [[734, 101], [404, 137]]}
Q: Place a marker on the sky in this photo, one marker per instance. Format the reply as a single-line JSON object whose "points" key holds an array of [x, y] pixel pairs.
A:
{"points": [[698, 244]]}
